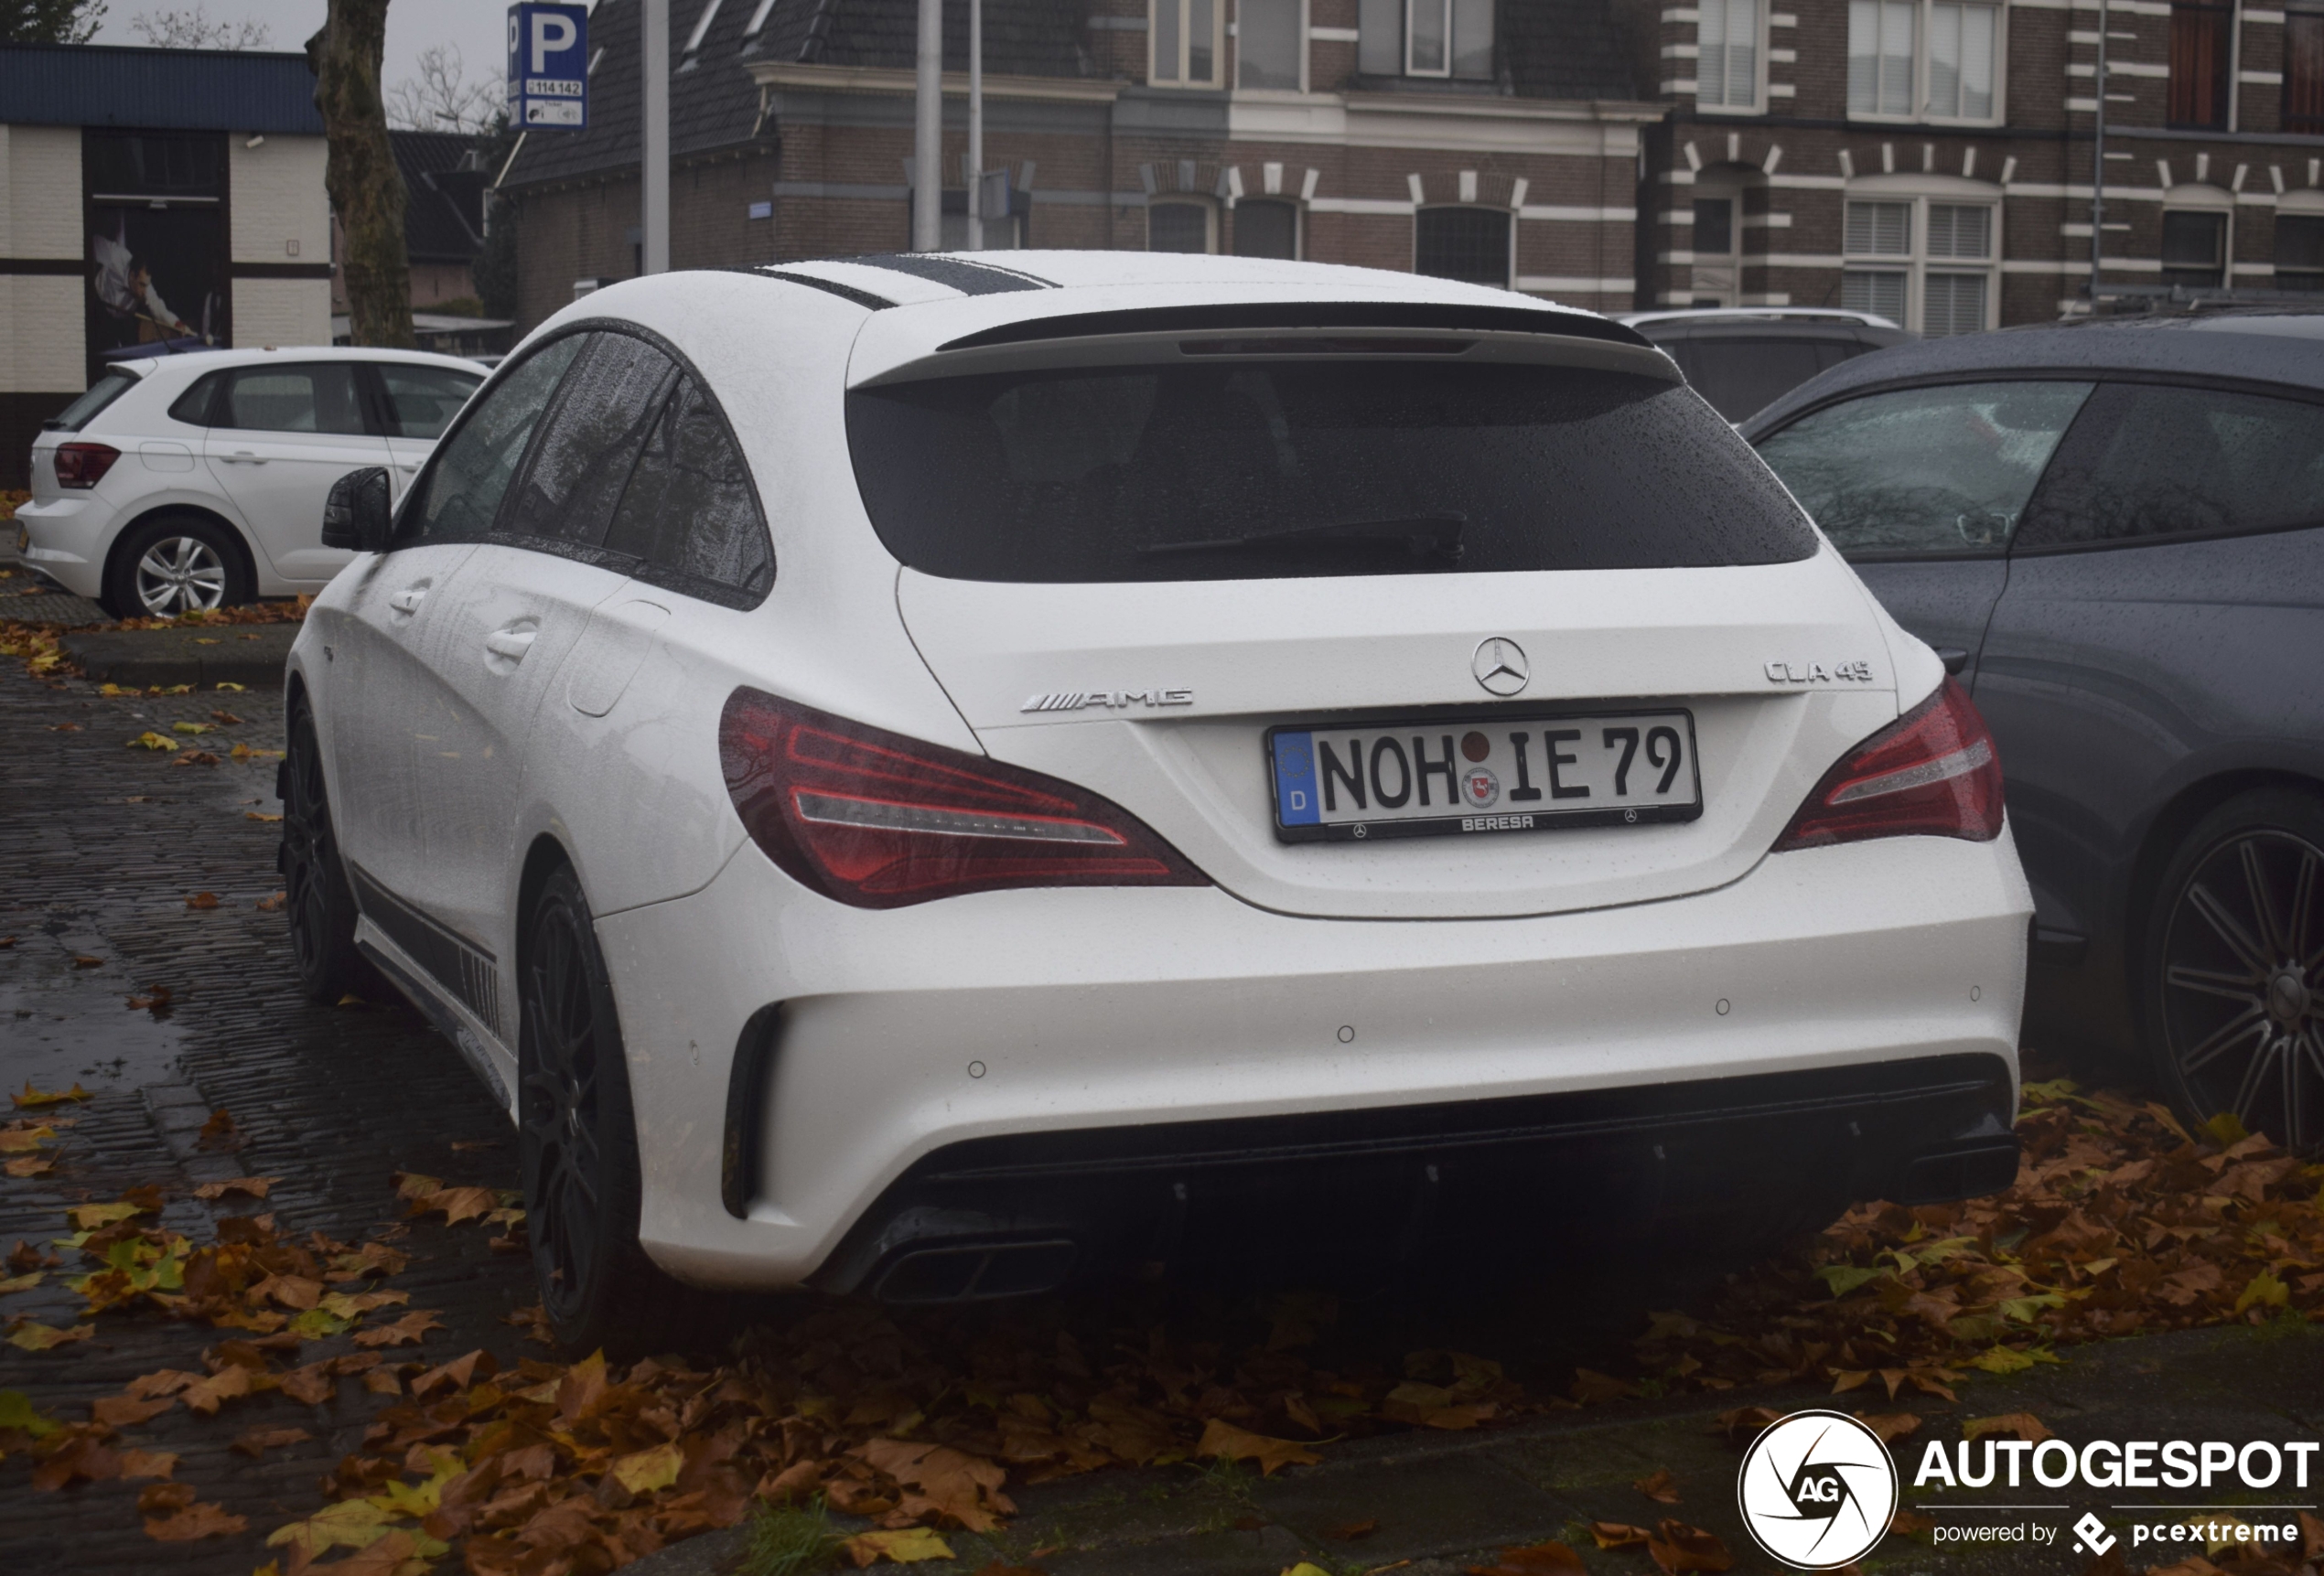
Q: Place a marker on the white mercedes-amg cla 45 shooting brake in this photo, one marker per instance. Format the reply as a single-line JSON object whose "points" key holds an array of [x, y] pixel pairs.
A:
{"points": [[922, 777]]}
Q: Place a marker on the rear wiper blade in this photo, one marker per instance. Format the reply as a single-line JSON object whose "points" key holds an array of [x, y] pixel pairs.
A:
{"points": [[1434, 536]]}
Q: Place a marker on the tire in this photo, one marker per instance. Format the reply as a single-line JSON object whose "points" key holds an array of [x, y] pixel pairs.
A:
{"points": [[174, 563], [2232, 988], [578, 1149], [318, 902]]}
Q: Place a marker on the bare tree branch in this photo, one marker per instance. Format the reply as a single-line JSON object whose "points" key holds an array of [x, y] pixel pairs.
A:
{"points": [[441, 99], [193, 28]]}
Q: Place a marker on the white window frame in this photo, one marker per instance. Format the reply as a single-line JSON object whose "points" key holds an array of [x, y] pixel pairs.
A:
{"points": [[1915, 264], [1306, 47], [1186, 42], [1757, 106], [1919, 114], [1445, 8]]}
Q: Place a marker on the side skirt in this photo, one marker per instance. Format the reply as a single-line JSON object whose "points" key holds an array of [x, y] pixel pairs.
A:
{"points": [[491, 1062]]}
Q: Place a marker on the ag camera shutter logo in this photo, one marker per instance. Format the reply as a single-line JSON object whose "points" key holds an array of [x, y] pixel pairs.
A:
{"points": [[1817, 1490]]}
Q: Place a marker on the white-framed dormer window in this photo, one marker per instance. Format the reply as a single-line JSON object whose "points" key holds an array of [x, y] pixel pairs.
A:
{"points": [[1425, 38], [1926, 60], [1271, 45], [1188, 39], [1729, 51], [1928, 260]]}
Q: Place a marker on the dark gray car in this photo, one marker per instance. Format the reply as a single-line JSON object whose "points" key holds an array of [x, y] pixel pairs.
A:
{"points": [[2116, 532]]}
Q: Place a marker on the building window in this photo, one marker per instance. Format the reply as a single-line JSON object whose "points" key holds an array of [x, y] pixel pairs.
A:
{"points": [[1726, 72], [1961, 47], [2200, 45], [1881, 56], [2299, 251], [1181, 225], [1425, 38], [1186, 36], [1266, 228], [1267, 44], [1922, 262], [1936, 59], [1714, 227], [1469, 245], [2304, 66], [2194, 249]]}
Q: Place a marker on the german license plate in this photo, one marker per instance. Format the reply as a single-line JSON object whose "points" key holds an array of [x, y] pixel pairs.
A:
{"points": [[1365, 780]]}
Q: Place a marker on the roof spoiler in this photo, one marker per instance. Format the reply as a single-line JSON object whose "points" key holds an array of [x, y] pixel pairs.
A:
{"points": [[1305, 315]]}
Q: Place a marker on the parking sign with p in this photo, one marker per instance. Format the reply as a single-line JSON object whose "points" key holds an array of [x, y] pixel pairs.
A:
{"points": [[549, 66]]}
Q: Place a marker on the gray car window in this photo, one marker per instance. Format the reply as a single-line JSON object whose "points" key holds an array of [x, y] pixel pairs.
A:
{"points": [[590, 441], [460, 493], [422, 401], [2148, 461], [689, 512], [1925, 471], [317, 398], [1743, 377]]}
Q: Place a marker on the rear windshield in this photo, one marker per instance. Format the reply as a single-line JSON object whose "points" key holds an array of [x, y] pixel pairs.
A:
{"points": [[1256, 469], [102, 392]]}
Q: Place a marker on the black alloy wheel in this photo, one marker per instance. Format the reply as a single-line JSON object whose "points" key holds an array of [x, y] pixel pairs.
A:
{"points": [[2238, 986], [318, 902], [578, 1146]]}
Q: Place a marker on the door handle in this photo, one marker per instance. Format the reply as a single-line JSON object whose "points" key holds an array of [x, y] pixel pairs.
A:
{"points": [[510, 643], [408, 600], [244, 457]]}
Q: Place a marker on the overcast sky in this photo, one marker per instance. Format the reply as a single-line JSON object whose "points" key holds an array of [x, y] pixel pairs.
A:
{"points": [[478, 31]]}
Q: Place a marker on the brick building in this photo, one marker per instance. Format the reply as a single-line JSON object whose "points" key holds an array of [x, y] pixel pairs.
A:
{"points": [[1491, 140], [1931, 159], [151, 202]]}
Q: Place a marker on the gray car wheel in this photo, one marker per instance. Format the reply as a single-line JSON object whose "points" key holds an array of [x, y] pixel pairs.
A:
{"points": [[176, 564], [2235, 987]]}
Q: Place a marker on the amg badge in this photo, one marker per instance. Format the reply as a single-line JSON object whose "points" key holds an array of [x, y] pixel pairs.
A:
{"points": [[1114, 699], [1817, 673]]}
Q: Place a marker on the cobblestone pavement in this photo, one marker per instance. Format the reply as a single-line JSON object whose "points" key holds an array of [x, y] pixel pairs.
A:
{"points": [[100, 847]]}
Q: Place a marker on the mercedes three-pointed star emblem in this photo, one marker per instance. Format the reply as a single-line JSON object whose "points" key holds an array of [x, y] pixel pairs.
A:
{"points": [[1499, 666]]}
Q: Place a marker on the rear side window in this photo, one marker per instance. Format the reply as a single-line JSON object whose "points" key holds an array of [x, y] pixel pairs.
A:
{"points": [[690, 513], [318, 398], [422, 401], [2148, 461], [459, 494], [1924, 472], [102, 392], [1253, 470], [608, 403], [1743, 377]]}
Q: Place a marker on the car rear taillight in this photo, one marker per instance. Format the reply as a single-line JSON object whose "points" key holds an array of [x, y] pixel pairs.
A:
{"points": [[879, 820], [84, 465], [1932, 773]]}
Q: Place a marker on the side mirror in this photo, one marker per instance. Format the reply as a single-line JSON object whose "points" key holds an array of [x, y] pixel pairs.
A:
{"points": [[356, 515]]}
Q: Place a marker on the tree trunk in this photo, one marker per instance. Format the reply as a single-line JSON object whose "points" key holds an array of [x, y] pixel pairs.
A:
{"points": [[366, 188]]}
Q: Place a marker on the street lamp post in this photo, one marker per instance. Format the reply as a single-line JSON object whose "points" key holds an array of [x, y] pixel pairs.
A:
{"points": [[976, 125], [928, 139], [654, 161], [2098, 165]]}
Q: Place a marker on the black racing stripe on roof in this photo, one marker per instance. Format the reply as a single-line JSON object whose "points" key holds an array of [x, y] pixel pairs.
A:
{"points": [[1303, 315], [845, 292], [968, 278]]}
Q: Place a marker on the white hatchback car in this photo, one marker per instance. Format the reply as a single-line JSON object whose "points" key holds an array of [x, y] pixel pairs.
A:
{"points": [[199, 480], [914, 775]]}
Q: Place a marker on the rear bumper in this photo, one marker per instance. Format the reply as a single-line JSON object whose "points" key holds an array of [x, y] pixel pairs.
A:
{"points": [[1096, 1017], [66, 539], [1004, 1216]]}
